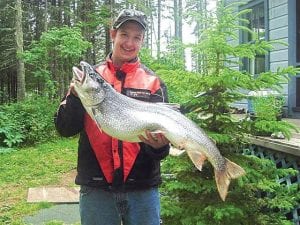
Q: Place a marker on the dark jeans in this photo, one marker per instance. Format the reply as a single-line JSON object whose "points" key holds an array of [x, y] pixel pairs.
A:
{"points": [[99, 207]]}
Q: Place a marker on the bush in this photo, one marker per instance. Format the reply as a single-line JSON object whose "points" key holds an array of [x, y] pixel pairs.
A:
{"points": [[266, 117], [27, 122], [191, 197], [268, 108]]}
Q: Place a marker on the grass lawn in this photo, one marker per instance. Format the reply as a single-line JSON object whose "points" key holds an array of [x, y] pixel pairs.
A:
{"points": [[48, 164]]}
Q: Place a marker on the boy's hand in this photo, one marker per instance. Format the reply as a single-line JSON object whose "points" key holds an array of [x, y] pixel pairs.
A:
{"points": [[155, 141]]}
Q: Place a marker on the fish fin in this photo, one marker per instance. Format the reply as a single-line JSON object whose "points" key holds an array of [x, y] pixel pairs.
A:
{"points": [[232, 171], [175, 151], [197, 158]]}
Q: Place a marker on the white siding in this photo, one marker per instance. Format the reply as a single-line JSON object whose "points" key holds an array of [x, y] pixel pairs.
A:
{"points": [[278, 56], [278, 30], [278, 33], [278, 22], [281, 64], [282, 44], [278, 11], [275, 3]]}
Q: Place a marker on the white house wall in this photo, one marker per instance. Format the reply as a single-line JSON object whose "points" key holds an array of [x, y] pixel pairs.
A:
{"points": [[277, 30]]}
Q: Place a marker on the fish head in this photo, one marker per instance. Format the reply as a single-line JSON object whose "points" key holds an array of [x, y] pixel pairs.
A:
{"points": [[89, 85]]}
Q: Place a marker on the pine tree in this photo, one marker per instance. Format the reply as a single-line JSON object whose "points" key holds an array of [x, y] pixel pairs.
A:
{"points": [[190, 196]]}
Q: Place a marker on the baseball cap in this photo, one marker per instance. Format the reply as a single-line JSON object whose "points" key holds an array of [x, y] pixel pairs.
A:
{"points": [[130, 15]]}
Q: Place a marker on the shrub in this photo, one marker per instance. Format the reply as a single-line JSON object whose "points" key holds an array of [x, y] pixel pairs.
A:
{"points": [[266, 118], [191, 197], [27, 122]]}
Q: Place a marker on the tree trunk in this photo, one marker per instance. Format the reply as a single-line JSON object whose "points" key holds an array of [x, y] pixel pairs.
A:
{"points": [[46, 16], [87, 9], [180, 20], [199, 60], [60, 9], [150, 31], [110, 4], [202, 58], [158, 27], [67, 12], [74, 15], [19, 48], [39, 19], [176, 19], [53, 14], [146, 38]]}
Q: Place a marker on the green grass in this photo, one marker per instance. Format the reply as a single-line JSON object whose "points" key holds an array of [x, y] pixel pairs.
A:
{"points": [[41, 165]]}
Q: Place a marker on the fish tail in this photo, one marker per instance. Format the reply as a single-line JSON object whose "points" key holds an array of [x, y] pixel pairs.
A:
{"points": [[232, 171]]}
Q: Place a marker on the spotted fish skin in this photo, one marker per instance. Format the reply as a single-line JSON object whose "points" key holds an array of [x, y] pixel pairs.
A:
{"points": [[126, 118]]}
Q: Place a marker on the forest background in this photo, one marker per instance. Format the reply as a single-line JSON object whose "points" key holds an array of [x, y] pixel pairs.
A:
{"points": [[23, 23]]}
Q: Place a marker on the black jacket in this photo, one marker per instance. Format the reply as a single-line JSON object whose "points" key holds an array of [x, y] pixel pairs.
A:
{"points": [[145, 172]]}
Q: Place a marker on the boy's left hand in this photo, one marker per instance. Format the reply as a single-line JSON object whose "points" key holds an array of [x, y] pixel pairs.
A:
{"points": [[155, 141]]}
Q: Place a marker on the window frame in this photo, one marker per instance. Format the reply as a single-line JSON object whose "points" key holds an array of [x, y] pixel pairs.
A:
{"points": [[250, 5], [293, 88]]}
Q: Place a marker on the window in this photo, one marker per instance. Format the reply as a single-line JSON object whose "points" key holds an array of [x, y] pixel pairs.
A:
{"points": [[256, 20]]}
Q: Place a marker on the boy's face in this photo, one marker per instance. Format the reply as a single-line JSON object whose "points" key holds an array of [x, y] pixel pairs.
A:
{"points": [[128, 40]]}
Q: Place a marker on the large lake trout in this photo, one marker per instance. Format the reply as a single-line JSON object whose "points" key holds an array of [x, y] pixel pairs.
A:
{"points": [[125, 118]]}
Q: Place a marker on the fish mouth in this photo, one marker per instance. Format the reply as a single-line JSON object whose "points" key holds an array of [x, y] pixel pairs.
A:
{"points": [[78, 75]]}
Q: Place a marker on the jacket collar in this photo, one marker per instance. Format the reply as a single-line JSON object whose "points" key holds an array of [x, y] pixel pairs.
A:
{"points": [[126, 67]]}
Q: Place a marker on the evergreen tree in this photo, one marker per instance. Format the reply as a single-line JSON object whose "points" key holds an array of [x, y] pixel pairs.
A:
{"points": [[190, 196]]}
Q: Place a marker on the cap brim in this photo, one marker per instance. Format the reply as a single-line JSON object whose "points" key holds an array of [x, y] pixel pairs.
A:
{"points": [[130, 19]]}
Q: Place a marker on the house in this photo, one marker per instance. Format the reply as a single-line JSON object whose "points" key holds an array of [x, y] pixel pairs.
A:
{"points": [[275, 20]]}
